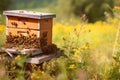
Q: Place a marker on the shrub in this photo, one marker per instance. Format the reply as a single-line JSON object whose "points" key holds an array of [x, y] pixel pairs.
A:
{"points": [[94, 9], [4, 4]]}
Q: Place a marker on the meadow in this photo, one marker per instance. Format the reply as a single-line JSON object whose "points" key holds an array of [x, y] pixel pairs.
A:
{"points": [[88, 51], [89, 43]]}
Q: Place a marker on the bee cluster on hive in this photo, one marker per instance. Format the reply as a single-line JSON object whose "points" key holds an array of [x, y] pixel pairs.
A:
{"points": [[30, 41]]}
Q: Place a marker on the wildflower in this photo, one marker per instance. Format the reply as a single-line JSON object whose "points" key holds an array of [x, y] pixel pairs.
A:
{"points": [[17, 57], [2, 27], [84, 47], [35, 76], [77, 51], [116, 8], [42, 72], [72, 66]]}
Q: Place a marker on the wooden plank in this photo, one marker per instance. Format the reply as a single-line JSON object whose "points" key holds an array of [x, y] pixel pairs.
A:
{"points": [[33, 52], [46, 26], [23, 28], [15, 31], [21, 22], [9, 53], [43, 58], [37, 56], [29, 14]]}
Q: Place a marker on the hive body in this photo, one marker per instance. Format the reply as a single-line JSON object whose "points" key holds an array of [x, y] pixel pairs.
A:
{"points": [[33, 27]]}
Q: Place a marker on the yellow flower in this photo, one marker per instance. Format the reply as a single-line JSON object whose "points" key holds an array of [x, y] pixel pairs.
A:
{"points": [[72, 66], [77, 51], [2, 27], [84, 47], [17, 57], [117, 8], [35, 76], [42, 72]]}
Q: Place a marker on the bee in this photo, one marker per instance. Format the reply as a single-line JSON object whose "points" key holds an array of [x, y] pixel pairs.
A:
{"points": [[24, 23]]}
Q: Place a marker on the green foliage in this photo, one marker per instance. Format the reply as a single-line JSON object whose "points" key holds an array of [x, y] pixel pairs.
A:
{"points": [[27, 4], [94, 9], [114, 72], [15, 67], [115, 69], [57, 68], [115, 66], [4, 4]]}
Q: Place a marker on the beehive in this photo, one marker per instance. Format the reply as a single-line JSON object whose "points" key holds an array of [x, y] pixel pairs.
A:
{"points": [[29, 23]]}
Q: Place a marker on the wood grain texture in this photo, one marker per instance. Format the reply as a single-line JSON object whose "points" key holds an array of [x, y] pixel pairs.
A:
{"points": [[46, 26], [22, 22], [43, 58], [30, 14], [17, 25], [17, 31], [33, 52]]}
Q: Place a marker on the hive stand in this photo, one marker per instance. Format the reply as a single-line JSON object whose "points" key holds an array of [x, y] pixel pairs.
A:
{"points": [[36, 56]]}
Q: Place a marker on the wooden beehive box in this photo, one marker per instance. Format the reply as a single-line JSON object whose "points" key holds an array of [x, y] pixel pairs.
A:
{"points": [[28, 24]]}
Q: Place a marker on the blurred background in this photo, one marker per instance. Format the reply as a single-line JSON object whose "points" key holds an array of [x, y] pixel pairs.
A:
{"points": [[93, 9]]}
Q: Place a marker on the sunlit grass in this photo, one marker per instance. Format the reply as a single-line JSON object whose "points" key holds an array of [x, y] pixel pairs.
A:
{"points": [[96, 34], [99, 35]]}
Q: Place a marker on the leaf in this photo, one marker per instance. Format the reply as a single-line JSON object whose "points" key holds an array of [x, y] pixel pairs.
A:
{"points": [[116, 59], [65, 56]]}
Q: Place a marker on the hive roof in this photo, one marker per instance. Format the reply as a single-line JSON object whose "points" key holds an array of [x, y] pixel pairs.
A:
{"points": [[29, 14]]}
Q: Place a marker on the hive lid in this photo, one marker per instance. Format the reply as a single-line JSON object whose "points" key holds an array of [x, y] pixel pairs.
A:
{"points": [[29, 14]]}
